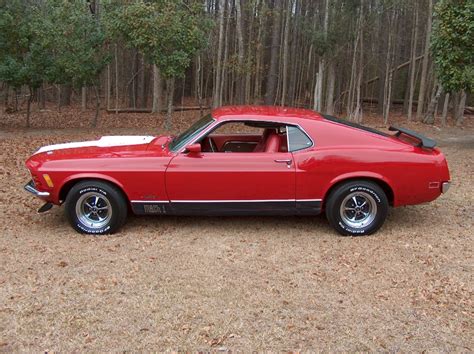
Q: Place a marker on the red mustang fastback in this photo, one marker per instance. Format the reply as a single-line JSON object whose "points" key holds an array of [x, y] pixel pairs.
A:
{"points": [[243, 161]]}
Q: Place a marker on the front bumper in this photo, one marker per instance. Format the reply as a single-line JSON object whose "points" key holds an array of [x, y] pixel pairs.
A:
{"points": [[30, 187], [445, 186]]}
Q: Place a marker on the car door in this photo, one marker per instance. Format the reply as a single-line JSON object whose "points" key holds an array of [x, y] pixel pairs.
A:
{"points": [[235, 183]]}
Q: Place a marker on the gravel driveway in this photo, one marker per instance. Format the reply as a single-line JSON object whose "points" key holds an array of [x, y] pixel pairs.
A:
{"points": [[237, 283]]}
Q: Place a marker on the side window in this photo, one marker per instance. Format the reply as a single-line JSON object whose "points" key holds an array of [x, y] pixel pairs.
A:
{"points": [[246, 136], [236, 128], [297, 139]]}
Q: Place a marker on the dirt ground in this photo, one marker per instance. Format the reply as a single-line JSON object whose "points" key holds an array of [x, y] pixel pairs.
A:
{"points": [[234, 283]]}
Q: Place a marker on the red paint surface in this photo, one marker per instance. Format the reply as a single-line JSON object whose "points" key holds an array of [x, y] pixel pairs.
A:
{"points": [[153, 172]]}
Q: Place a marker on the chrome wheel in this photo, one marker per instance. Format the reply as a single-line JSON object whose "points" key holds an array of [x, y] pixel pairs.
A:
{"points": [[358, 209], [93, 210]]}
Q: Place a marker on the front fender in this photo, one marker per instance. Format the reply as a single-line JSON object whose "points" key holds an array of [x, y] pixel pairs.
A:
{"points": [[82, 176]]}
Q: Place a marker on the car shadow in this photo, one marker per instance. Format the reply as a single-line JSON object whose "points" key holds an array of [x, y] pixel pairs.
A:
{"points": [[403, 218], [252, 222]]}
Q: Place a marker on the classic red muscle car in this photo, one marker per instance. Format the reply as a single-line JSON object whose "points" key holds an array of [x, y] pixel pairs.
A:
{"points": [[243, 161]]}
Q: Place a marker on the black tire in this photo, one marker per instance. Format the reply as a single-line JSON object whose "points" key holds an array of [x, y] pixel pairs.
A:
{"points": [[95, 207], [363, 215]]}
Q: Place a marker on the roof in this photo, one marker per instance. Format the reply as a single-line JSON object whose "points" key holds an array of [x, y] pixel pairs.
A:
{"points": [[238, 112]]}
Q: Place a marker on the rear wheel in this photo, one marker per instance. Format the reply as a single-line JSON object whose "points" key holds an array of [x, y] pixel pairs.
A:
{"points": [[357, 208], [96, 207]]}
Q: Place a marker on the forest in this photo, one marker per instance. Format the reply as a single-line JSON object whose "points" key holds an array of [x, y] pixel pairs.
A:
{"points": [[340, 57], [92, 77]]}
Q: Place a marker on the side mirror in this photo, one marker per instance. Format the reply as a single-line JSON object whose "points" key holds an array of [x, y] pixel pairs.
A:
{"points": [[194, 148]]}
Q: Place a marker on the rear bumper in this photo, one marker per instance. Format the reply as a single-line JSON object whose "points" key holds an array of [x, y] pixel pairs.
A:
{"points": [[30, 187], [445, 186]]}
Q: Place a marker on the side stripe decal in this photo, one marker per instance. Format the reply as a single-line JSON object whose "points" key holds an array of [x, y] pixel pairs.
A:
{"points": [[226, 201]]}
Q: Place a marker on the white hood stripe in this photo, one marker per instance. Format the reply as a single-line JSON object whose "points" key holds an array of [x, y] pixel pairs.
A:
{"points": [[105, 141]]}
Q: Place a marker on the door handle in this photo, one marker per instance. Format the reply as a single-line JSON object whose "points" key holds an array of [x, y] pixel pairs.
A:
{"points": [[287, 161]]}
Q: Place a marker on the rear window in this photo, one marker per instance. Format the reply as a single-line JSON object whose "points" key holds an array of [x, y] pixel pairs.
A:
{"points": [[354, 125]]}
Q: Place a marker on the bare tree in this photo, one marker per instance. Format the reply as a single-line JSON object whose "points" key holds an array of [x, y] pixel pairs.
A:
{"points": [[318, 89], [460, 108], [285, 52], [330, 55], [444, 117], [272, 76], [412, 68], [425, 64], [240, 53], [430, 112], [156, 106], [218, 80]]}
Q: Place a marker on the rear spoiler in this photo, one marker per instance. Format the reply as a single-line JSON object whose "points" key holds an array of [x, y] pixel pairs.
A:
{"points": [[424, 141]]}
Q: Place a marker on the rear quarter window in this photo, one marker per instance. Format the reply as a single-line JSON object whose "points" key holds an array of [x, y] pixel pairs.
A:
{"points": [[297, 139]]}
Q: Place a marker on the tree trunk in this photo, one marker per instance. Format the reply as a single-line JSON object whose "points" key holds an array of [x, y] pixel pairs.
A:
{"points": [[42, 97], [97, 107], [286, 34], [351, 110], [318, 90], [28, 107], [5, 97], [107, 93], [116, 80], [83, 98], [350, 96], [250, 54], [66, 93], [388, 71], [444, 117], [156, 106], [259, 54], [134, 81], [460, 109], [240, 53], [169, 112], [357, 114], [331, 86], [15, 93], [218, 80], [199, 83], [412, 69], [382, 62], [358, 109], [58, 101], [424, 70], [224, 76], [430, 112], [272, 77], [142, 78]]}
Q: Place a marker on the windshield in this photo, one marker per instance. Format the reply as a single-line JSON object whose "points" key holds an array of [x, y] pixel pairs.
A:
{"points": [[181, 140]]}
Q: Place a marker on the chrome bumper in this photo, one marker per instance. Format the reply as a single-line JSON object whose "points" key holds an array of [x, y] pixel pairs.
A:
{"points": [[445, 186], [30, 187]]}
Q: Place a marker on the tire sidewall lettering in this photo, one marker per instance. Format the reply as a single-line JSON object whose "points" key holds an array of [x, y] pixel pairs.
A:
{"points": [[367, 190], [345, 229], [84, 227], [351, 230], [92, 189], [91, 231]]}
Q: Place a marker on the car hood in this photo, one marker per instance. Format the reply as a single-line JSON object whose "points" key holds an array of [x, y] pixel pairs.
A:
{"points": [[106, 147], [103, 142]]}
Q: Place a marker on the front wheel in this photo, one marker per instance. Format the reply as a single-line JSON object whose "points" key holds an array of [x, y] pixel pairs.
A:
{"points": [[357, 208], [95, 207]]}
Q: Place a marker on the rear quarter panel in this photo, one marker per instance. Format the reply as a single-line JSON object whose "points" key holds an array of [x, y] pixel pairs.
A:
{"points": [[342, 153]]}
